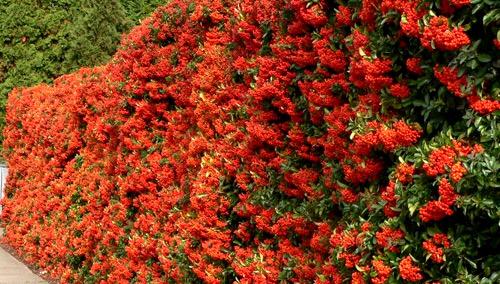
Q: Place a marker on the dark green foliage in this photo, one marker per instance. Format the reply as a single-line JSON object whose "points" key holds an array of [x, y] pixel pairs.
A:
{"points": [[43, 39], [140, 9]]}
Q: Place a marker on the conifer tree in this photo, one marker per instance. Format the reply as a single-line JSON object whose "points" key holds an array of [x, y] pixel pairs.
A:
{"points": [[43, 39]]}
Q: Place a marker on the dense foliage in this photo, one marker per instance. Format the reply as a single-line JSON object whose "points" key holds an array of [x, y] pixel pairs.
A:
{"points": [[41, 40], [139, 9], [302, 141]]}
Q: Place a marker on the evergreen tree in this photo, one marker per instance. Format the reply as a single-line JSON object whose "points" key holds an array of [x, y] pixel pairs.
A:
{"points": [[43, 39], [139, 9]]}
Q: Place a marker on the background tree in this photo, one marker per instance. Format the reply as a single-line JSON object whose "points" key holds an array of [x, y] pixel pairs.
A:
{"points": [[43, 39]]}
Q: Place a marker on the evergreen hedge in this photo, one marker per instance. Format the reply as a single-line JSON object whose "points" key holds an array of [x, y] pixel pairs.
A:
{"points": [[269, 141]]}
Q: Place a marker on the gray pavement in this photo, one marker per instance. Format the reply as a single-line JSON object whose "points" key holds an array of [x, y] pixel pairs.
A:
{"points": [[14, 272]]}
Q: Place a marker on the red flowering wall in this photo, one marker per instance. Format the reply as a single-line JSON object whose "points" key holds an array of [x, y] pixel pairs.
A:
{"points": [[304, 141]]}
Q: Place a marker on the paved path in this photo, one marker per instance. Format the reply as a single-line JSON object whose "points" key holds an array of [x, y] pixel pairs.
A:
{"points": [[14, 272]]}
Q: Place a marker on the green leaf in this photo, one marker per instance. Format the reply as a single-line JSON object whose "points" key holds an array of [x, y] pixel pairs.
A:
{"points": [[483, 57], [492, 16]]}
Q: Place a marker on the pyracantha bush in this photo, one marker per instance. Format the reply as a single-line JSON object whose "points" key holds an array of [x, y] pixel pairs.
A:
{"points": [[302, 141]]}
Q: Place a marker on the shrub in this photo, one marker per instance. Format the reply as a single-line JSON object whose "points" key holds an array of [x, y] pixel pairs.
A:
{"points": [[266, 141]]}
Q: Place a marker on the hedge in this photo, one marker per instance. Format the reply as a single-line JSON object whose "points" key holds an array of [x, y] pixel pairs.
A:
{"points": [[302, 141]]}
